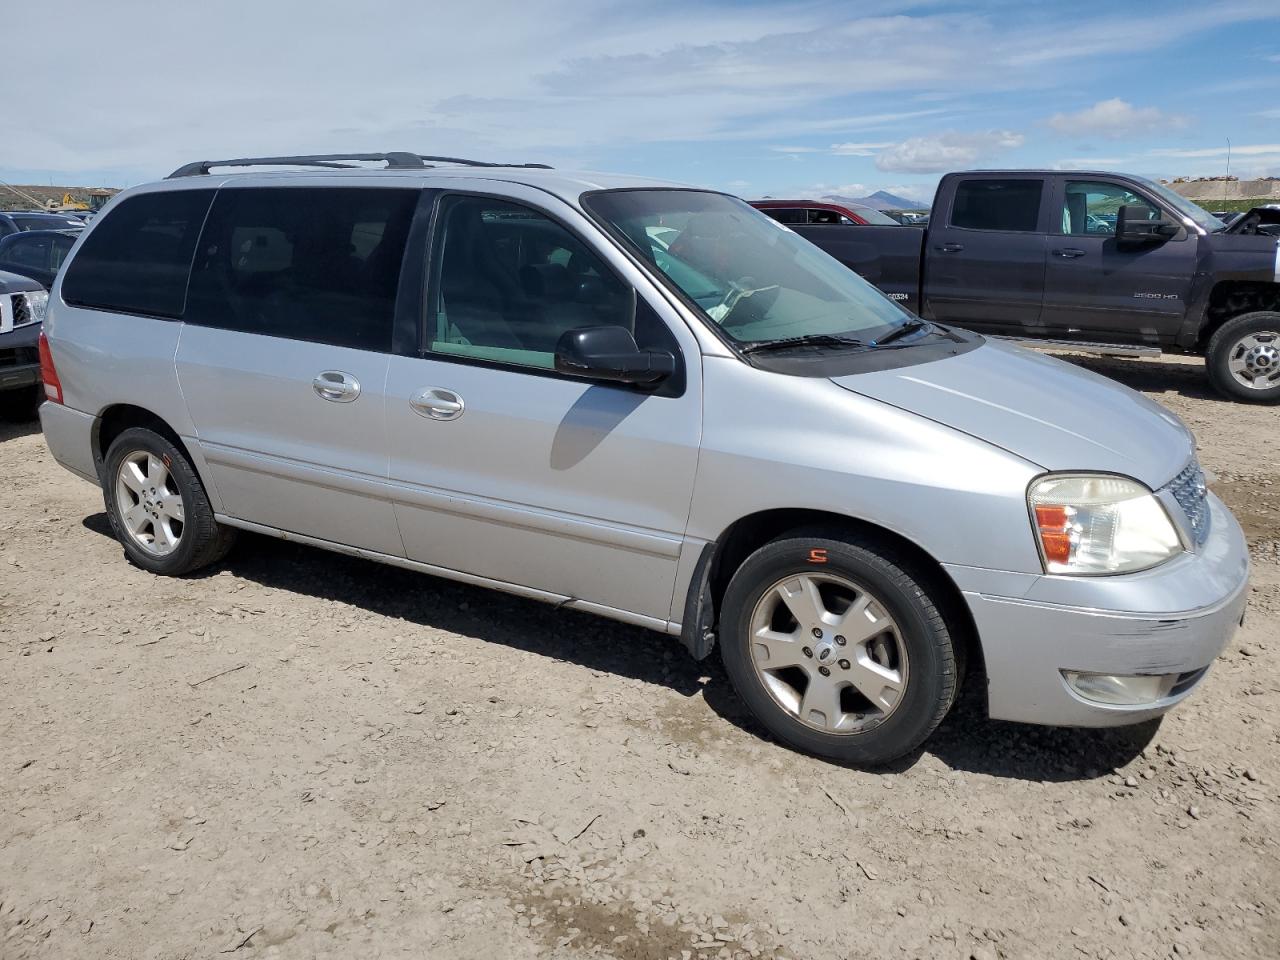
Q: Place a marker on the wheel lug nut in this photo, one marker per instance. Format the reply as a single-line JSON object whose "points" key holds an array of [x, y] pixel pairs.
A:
{"points": [[841, 641], [824, 671], [844, 664], [808, 652], [817, 633]]}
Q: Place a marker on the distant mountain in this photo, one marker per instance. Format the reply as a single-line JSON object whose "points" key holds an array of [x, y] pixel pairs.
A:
{"points": [[881, 200]]}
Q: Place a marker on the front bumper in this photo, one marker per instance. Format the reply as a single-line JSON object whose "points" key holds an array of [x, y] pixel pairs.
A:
{"points": [[19, 357], [1174, 619]]}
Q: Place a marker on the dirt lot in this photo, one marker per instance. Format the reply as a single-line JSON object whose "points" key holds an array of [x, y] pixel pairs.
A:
{"points": [[305, 755]]}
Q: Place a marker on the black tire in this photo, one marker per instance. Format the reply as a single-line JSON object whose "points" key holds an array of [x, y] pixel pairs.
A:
{"points": [[900, 589], [202, 540], [1225, 343], [21, 405]]}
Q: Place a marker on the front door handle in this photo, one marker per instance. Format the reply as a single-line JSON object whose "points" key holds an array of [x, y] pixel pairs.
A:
{"points": [[951, 247], [1070, 252], [336, 386], [437, 403]]}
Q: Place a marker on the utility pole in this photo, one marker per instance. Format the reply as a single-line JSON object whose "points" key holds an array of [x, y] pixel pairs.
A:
{"points": [[1226, 182]]}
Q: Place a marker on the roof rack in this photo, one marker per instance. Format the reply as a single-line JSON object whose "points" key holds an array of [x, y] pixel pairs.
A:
{"points": [[341, 161]]}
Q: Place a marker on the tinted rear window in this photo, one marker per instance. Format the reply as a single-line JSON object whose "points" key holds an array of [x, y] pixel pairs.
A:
{"points": [[997, 205], [138, 258], [318, 264]]}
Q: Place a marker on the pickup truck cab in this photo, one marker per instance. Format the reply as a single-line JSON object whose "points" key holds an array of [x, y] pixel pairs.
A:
{"points": [[1089, 258], [822, 213]]}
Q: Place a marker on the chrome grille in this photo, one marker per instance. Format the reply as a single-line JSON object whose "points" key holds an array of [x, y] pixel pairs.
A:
{"points": [[1191, 492], [21, 310]]}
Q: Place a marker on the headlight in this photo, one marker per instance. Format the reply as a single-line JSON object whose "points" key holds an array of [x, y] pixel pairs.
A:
{"points": [[1094, 524], [37, 303]]}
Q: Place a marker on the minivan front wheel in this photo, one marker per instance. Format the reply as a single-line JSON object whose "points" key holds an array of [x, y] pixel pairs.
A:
{"points": [[838, 648], [157, 506]]}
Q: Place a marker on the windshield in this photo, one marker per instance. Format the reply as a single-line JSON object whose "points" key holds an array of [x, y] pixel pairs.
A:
{"points": [[1201, 217], [752, 277]]}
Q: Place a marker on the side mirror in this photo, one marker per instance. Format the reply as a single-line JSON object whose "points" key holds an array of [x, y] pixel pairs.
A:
{"points": [[610, 353], [1132, 225]]}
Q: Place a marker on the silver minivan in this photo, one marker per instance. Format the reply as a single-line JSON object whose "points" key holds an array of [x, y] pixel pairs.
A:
{"points": [[645, 401]]}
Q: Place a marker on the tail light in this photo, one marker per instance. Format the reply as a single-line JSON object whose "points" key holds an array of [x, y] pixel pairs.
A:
{"points": [[48, 373]]}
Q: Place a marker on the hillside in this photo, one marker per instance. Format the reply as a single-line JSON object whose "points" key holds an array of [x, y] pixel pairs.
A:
{"points": [[29, 196]]}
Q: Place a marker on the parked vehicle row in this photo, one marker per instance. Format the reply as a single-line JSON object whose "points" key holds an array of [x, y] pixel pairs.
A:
{"points": [[1086, 258], [647, 402]]}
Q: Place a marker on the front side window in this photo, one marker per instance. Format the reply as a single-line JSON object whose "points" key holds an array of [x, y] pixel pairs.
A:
{"points": [[61, 247], [1092, 208], [997, 205], [138, 258], [306, 263], [508, 281], [754, 280]]}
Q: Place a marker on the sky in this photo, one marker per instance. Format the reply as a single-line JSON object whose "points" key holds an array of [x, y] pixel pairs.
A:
{"points": [[774, 98]]}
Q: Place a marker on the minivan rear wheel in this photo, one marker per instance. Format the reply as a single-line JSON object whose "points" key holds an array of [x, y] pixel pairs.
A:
{"points": [[157, 506], [838, 648]]}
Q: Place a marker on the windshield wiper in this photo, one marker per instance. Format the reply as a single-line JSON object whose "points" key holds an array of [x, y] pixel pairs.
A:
{"points": [[911, 326], [807, 340]]}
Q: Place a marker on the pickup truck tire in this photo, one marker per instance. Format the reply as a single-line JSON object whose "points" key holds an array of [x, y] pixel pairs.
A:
{"points": [[836, 646], [1243, 357], [22, 404], [158, 507]]}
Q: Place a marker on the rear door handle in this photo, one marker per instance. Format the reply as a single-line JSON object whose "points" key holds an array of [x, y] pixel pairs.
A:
{"points": [[1070, 252], [336, 386], [437, 403], [951, 247]]}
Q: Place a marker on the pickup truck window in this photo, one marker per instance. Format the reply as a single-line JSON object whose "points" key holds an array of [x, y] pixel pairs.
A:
{"points": [[786, 215], [997, 205], [753, 280], [1091, 207]]}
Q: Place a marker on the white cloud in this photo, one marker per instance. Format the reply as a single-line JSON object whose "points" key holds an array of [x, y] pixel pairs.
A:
{"points": [[1115, 119], [561, 81], [858, 149], [946, 151], [795, 149], [1244, 150]]}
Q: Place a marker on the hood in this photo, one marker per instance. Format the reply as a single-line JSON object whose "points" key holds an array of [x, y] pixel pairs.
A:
{"points": [[1044, 410], [13, 283]]}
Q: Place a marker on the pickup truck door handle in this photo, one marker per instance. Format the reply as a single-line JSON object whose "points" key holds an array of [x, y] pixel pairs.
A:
{"points": [[1070, 252], [437, 403], [336, 386], [951, 247]]}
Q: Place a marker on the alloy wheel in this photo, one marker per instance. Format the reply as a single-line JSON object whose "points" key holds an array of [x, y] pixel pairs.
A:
{"points": [[1254, 360], [149, 503], [828, 652]]}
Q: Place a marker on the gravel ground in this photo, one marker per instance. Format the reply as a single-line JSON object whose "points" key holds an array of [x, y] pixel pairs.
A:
{"points": [[306, 755]]}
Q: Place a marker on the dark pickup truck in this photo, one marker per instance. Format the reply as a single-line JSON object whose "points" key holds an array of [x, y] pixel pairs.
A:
{"points": [[22, 303], [1103, 261]]}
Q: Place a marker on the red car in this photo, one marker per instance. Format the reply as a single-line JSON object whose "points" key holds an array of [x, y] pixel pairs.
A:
{"points": [[794, 212]]}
